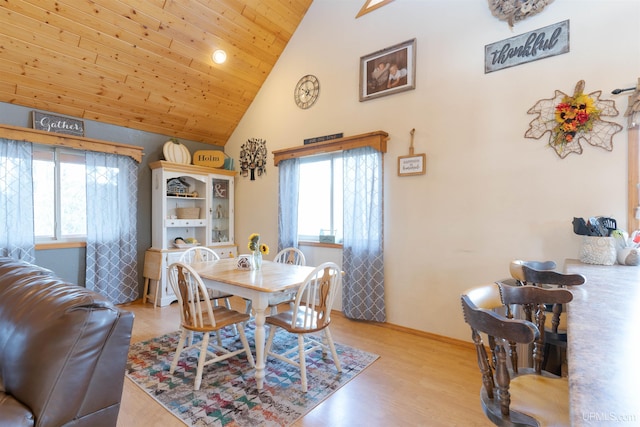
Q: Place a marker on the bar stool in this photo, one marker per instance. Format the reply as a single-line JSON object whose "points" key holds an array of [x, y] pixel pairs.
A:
{"points": [[542, 274], [512, 396]]}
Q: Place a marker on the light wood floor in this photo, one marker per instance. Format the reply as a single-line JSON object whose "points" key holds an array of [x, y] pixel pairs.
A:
{"points": [[417, 381]]}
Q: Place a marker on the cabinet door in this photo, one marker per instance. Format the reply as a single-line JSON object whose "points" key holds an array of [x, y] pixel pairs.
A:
{"points": [[221, 210], [171, 257]]}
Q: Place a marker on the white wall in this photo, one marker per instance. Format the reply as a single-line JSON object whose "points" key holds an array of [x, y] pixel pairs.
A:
{"points": [[489, 195]]}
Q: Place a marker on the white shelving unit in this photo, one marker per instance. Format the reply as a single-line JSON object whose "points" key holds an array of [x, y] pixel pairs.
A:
{"points": [[189, 201]]}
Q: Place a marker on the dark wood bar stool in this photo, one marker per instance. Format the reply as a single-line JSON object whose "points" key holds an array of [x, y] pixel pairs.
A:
{"points": [[542, 274], [512, 395]]}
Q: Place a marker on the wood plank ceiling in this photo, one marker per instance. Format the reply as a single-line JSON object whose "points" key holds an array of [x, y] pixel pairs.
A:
{"points": [[144, 64]]}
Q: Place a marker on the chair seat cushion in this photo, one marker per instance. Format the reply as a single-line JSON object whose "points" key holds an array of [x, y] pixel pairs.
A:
{"points": [[284, 320], [223, 317], [544, 398]]}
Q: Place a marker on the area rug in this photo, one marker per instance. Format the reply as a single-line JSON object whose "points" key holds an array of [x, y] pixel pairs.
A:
{"points": [[228, 394]]}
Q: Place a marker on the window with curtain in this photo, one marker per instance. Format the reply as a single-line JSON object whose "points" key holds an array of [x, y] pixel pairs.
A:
{"points": [[320, 204], [16, 200], [59, 194], [94, 194], [112, 194], [359, 211]]}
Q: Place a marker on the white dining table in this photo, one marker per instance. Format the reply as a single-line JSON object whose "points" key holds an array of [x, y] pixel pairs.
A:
{"points": [[255, 285]]}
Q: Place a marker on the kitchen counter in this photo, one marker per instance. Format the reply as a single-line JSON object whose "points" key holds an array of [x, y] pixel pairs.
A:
{"points": [[604, 345]]}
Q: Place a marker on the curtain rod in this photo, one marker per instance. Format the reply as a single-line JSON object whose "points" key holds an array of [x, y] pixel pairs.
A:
{"points": [[617, 91]]}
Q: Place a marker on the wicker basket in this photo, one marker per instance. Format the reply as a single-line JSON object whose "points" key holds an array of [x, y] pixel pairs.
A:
{"points": [[598, 250], [188, 213]]}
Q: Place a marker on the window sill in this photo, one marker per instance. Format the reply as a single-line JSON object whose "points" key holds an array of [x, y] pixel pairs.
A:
{"points": [[320, 245], [60, 245]]}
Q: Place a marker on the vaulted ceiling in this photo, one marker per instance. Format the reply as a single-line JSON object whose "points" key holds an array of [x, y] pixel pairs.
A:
{"points": [[144, 64]]}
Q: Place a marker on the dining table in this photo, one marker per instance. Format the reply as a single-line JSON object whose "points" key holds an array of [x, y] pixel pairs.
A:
{"points": [[603, 345], [256, 285]]}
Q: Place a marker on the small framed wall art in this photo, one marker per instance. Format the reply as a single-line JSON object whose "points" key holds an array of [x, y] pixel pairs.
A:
{"points": [[412, 165], [388, 71]]}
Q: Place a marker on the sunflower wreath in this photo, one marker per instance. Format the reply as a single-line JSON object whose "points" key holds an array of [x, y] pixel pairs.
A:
{"points": [[568, 119]]}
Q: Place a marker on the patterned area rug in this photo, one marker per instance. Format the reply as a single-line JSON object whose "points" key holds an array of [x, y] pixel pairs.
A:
{"points": [[228, 394]]}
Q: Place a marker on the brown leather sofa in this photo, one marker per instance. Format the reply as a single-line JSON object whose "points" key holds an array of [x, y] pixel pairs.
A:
{"points": [[63, 350]]}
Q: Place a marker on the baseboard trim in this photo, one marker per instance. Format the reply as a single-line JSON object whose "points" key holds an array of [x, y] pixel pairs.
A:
{"points": [[417, 332]]}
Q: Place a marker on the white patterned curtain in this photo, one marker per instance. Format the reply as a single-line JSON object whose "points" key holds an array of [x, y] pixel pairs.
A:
{"points": [[112, 192], [362, 259], [16, 200], [289, 175]]}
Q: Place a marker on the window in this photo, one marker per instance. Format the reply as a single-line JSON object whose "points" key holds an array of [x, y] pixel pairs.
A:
{"points": [[320, 197], [59, 191]]}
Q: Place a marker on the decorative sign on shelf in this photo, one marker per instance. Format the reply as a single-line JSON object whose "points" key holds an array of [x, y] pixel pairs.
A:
{"points": [[57, 124], [538, 44], [323, 138], [413, 164], [209, 158]]}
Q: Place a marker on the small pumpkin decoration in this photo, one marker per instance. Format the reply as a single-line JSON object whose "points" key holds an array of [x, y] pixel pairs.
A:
{"points": [[176, 152]]}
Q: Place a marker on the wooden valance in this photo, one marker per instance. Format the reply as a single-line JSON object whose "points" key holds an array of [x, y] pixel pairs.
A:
{"points": [[62, 140], [376, 140]]}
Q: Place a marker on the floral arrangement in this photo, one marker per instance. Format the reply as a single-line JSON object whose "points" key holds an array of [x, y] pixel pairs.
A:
{"points": [[572, 115], [571, 119], [254, 244]]}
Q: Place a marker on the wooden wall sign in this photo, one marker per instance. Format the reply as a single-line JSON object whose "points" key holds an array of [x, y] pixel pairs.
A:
{"points": [[209, 158], [538, 44], [413, 164], [57, 124], [323, 138]]}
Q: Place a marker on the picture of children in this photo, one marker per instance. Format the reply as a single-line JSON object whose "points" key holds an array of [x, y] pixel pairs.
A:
{"points": [[379, 77], [397, 76], [388, 71]]}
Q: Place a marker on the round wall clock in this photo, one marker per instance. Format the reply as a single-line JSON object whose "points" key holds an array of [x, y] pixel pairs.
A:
{"points": [[306, 91]]}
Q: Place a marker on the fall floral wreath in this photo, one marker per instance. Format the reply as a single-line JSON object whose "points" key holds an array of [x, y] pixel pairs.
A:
{"points": [[574, 114], [571, 118]]}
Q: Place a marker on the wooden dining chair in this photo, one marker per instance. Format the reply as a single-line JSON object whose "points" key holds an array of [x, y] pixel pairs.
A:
{"points": [[290, 255], [544, 274], [513, 394], [198, 315], [293, 256], [204, 254], [311, 314]]}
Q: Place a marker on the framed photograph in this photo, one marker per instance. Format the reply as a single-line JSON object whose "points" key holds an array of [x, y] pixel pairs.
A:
{"points": [[388, 71], [412, 165]]}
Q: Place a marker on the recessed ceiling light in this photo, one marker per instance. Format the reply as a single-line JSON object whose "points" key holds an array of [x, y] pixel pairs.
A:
{"points": [[219, 56]]}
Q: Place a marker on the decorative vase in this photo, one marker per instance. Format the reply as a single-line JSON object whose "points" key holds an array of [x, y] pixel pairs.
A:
{"points": [[257, 259]]}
